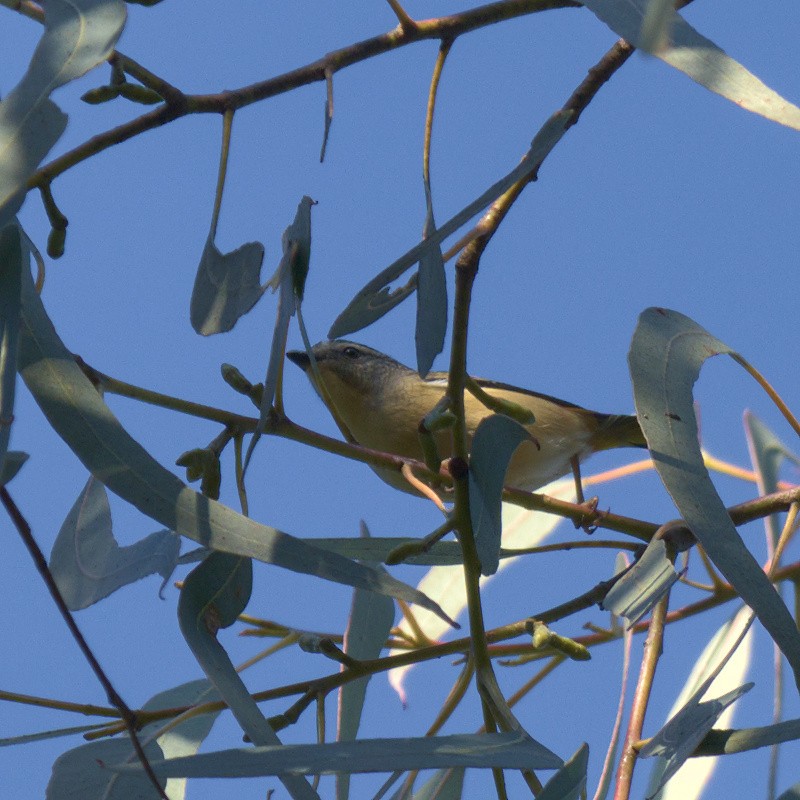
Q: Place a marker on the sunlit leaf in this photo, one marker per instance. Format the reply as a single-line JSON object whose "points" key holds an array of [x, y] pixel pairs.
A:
{"points": [[78, 35], [88, 564], [700, 59], [494, 442], [666, 354], [80, 416], [656, 25]]}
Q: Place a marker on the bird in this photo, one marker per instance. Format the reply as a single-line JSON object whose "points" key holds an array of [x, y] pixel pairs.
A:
{"points": [[379, 403]]}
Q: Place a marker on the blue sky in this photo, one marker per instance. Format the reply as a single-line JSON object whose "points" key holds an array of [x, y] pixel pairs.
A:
{"points": [[663, 194]]}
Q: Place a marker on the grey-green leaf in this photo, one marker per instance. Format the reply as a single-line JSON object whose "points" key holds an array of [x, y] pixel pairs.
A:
{"points": [[650, 578], [487, 750], [226, 287], [431, 325], [445, 784], [11, 465], [88, 564], [371, 619], [569, 783], [78, 35], [495, 440], [375, 299], [213, 595], [12, 263], [700, 59], [80, 416], [666, 354]]}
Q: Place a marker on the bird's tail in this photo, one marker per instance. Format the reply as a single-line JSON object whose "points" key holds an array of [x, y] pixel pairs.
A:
{"points": [[619, 430]]}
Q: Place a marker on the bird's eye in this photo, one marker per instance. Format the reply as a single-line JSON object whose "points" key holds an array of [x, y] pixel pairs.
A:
{"points": [[351, 352]]}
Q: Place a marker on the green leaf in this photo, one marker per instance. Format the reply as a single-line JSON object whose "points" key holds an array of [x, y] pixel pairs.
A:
{"points": [[78, 35], [431, 324], [88, 564], [486, 750], [656, 25], [81, 773], [12, 465], [375, 299], [213, 596], [289, 281], [650, 578], [371, 619], [666, 354], [495, 440], [446, 784], [697, 57], [80, 416], [226, 287], [12, 263], [569, 783]]}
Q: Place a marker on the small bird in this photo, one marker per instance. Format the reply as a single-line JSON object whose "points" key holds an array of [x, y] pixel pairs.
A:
{"points": [[381, 402]]}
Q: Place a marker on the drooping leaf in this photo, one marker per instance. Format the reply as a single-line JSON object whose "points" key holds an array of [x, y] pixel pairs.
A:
{"points": [[486, 750], [375, 299], [78, 35], [88, 564], [371, 619], [569, 783], [289, 281], [666, 354], [650, 578], [80, 416], [13, 259], [213, 595], [494, 442], [431, 324], [700, 59], [226, 287]]}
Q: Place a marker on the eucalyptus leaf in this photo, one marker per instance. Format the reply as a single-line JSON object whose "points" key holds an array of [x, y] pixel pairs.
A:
{"points": [[78, 35], [213, 596], [700, 59], [666, 354], [431, 325], [80, 416], [88, 564], [226, 287], [13, 259], [445, 784], [12, 465], [485, 750], [495, 440], [569, 783], [650, 578]]}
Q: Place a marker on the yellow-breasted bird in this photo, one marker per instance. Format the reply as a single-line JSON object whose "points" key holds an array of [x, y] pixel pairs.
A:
{"points": [[382, 403]]}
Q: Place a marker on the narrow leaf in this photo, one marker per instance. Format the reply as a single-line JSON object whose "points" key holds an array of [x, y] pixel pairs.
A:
{"points": [[88, 564], [12, 465], [78, 35], [656, 25], [80, 416], [700, 59], [487, 750], [213, 595], [666, 354], [495, 440], [12, 262], [431, 324], [375, 299], [446, 784], [371, 619], [569, 783]]}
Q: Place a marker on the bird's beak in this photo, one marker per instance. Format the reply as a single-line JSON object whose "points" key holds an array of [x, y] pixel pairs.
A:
{"points": [[299, 357]]}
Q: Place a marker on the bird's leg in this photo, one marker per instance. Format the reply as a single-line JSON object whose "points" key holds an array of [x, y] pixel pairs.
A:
{"points": [[590, 505]]}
